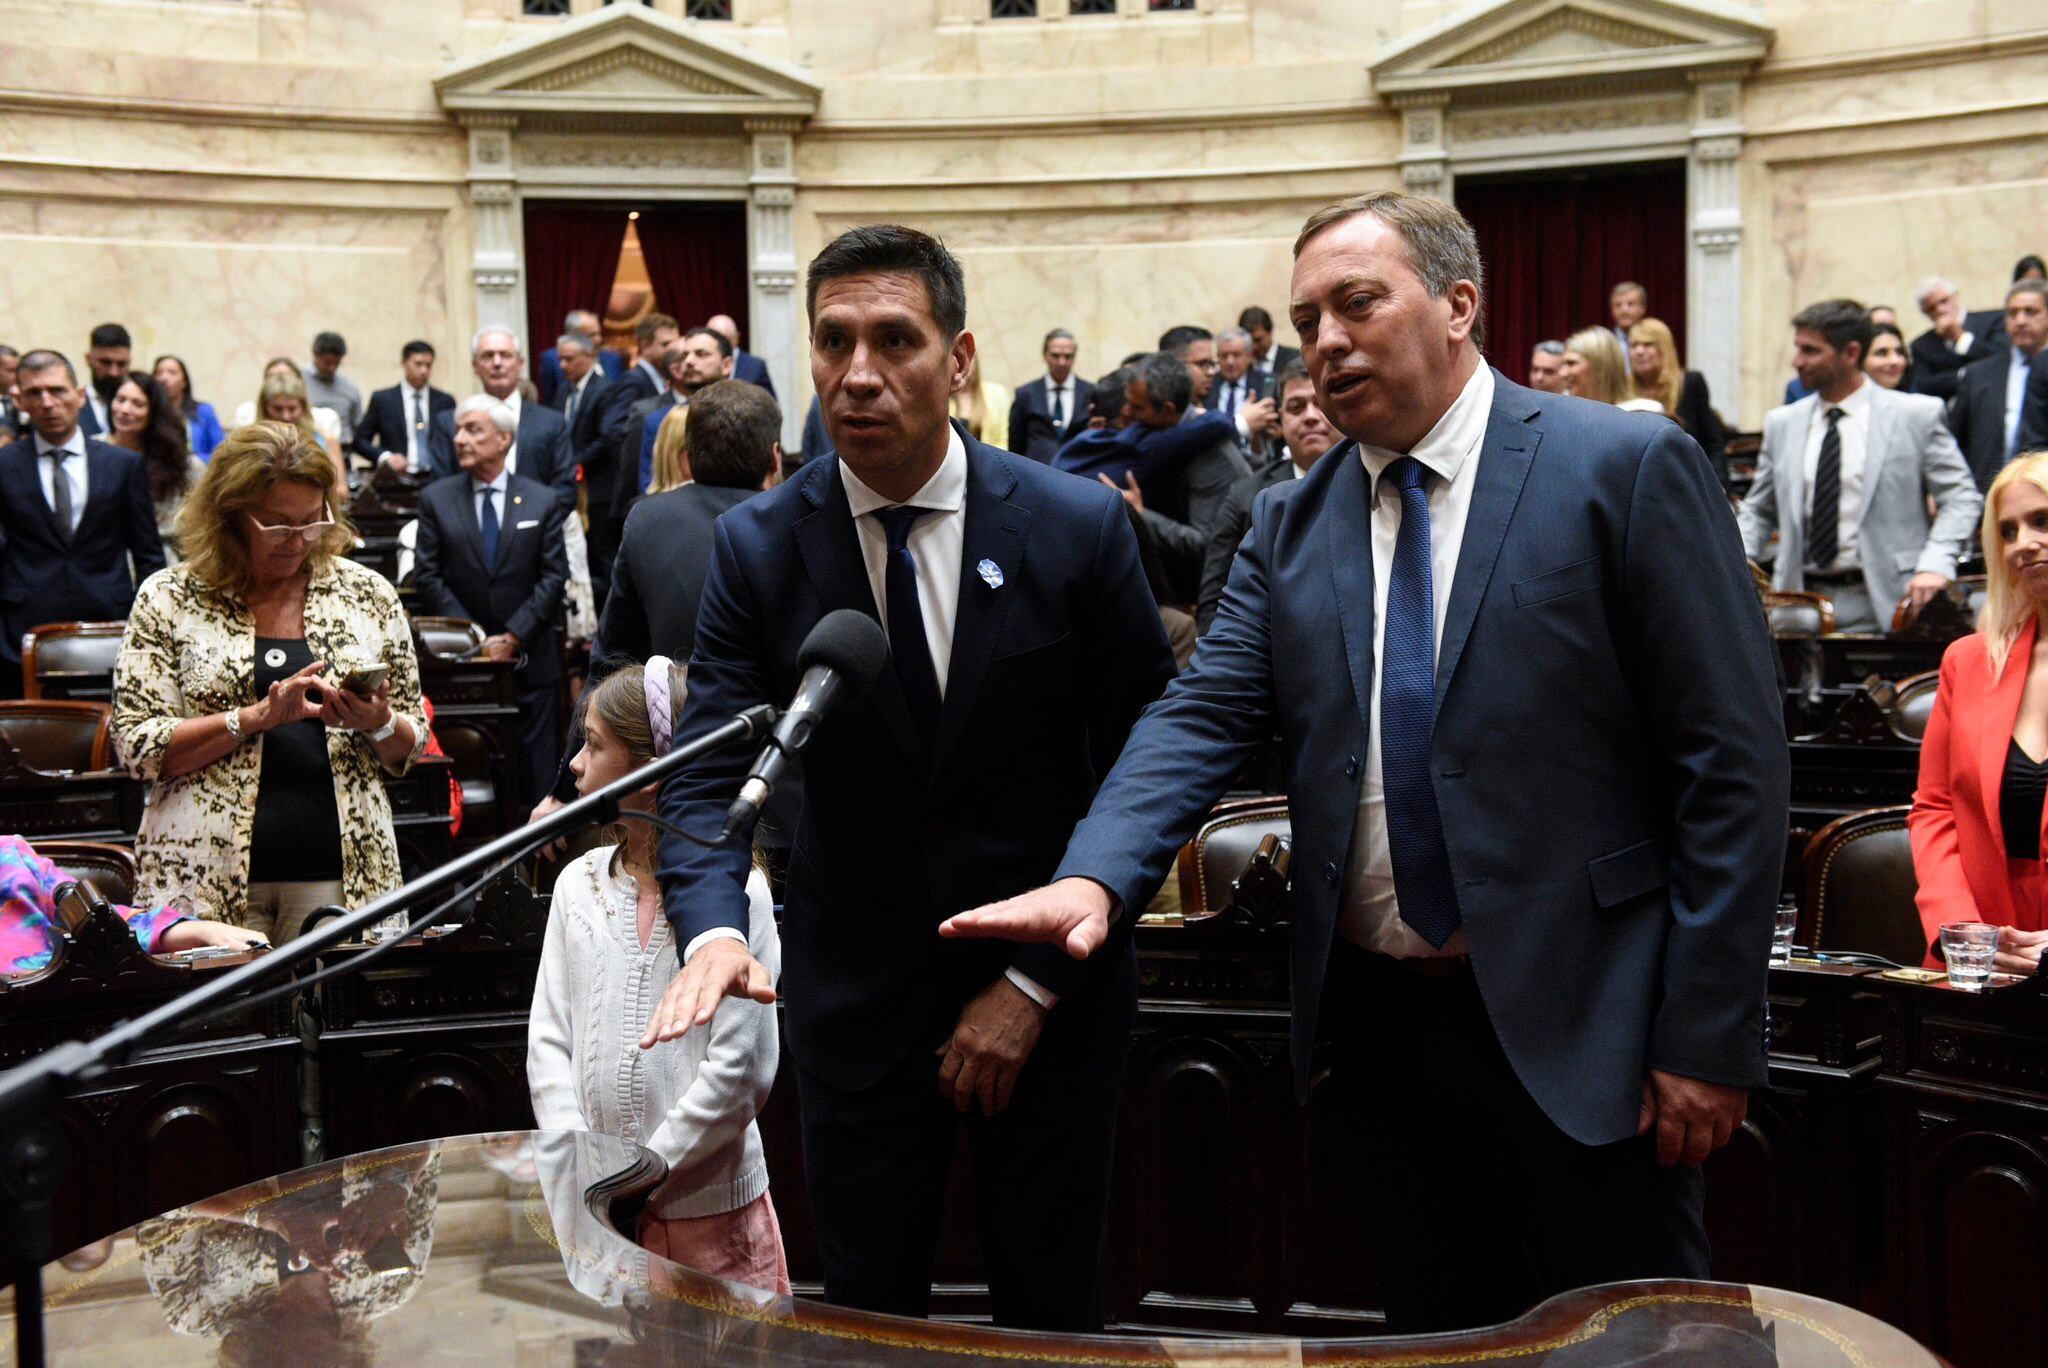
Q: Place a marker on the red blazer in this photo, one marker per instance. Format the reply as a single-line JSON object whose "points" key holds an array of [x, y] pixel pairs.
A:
{"points": [[1958, 843]]}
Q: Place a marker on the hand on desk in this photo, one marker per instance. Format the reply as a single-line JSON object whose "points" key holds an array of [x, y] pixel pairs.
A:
{"points": [[194, 933], [1693, 1118], [1073, 912], [997, 1032], [2019, 952], [720, 968]]}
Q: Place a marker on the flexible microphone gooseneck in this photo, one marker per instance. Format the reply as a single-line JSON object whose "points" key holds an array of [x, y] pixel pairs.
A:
{"points": [[841, 658]]}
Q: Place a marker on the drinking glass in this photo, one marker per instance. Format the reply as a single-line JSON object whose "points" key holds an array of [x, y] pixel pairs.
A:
{"points": [[389, 928], [1786, 921], [1969, 947]]}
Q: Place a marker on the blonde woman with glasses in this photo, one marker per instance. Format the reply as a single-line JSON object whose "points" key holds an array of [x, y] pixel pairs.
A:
{"points": [[264, 688]]}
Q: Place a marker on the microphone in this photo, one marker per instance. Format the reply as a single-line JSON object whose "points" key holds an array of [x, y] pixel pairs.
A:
{"points": [[845, 653]]}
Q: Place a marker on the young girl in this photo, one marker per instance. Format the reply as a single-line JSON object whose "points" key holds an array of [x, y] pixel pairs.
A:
{"points": [[608, 957]]}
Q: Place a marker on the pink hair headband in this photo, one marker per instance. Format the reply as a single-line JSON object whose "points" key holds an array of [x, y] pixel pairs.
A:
{"points": [[660, 715]]}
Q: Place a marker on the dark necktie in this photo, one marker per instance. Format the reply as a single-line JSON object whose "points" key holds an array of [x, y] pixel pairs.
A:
{"points": [[1415, 829], [909, 651], [60, 494], [419, 427], [569, 414], [487, 523], [1230, 399], [1824, 523], [1059, 409]]}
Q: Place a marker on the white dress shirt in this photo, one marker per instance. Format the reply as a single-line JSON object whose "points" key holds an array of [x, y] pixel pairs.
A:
{"points": [[1854, 427], [935, 545], [415, 439], [99, 409], [1230, 397], [1059, 394], [74, 472], [2015, 391], [1369, 915], [476, 501]]}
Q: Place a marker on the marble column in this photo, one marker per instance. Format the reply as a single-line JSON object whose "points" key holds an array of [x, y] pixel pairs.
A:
{"points": [[496, 261], [1713, 271], [777, 333], [1425, 147]]}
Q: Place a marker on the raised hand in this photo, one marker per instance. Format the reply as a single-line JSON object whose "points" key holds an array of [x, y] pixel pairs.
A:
{"points": [[1071, 912], [721, 968]]}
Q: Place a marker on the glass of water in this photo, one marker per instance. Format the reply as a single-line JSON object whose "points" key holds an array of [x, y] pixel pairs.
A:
{"points": [[389, 928], [1969, 948], [1782, 927]]}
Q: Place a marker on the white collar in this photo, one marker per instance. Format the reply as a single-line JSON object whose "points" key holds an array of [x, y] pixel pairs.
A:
{"points": [[1456, 436], [1855, 406], [477, 486], [75, 443], [945, 491], [1052, 385]]}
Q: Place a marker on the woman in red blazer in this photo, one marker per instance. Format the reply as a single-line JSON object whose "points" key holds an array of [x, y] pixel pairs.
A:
{"points": [[1977, 821]]}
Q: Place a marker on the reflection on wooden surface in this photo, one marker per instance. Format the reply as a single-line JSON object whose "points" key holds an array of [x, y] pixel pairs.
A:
{"points": [[504, 1248]]}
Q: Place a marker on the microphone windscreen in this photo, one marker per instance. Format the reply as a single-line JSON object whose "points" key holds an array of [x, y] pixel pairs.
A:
{"points": [[850, 642]]}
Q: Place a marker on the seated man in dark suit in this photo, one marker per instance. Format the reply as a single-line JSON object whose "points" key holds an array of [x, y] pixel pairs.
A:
{"points": [[73, 513], [1306, 435], [547, 376], [1182, 511], [1023, 644], [745, 365], [397, 427], [1988, 413], [490, 550], [1049, 411], [541, 452], [1956, 340]]}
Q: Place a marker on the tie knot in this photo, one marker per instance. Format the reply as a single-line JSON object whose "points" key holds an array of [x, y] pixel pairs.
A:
{"points": [[1405, 474], [1834, 415], [896, 523]]}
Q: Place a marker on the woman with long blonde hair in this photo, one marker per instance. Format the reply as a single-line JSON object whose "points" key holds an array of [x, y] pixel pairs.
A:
{"points": [[1979, 858], [671, 452], [983, 407], [1596, 368], [1656, 373]]}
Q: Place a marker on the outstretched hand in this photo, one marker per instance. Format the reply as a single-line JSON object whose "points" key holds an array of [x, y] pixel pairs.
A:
{"points": [[1073, 912], [721, 968]]}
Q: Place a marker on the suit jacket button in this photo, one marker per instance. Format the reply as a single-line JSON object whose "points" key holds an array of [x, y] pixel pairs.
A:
{"points": [[1330, 872], [1351, 768]]}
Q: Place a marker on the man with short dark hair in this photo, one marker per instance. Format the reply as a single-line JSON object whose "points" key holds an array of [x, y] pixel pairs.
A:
{"points": [[1196, 348], [1627, 303], [703, 357], [1987, 414], [1546, 368], [1023, 642], [1306, 437], [109, 359], [1843, 480], [1183, 506], [397, 429], [745, 365], [1052, 408], [1268, 356], [73, 513], [12, 421], [1527, 716], [327, 387]]}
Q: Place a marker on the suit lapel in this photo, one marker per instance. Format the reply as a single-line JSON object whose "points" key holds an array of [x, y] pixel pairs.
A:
{"points": [[1791, 477], [1349, 518], [1505, 455], [826, 539], [2001, 710], [995, 532], [20, 471], [1877, 443], [463, 500]]}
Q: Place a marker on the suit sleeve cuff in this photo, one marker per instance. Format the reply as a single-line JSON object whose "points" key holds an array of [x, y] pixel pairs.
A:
{"points": [[715, 933], [1032, 988]]}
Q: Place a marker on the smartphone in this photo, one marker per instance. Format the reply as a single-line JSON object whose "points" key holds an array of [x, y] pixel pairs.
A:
{"points": [[364, 682]]}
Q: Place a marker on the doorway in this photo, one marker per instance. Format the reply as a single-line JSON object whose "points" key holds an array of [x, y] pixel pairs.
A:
{"points": [[1555, 243]]}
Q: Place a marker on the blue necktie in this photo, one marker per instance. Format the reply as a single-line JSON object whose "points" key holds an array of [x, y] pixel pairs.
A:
{"points": [[1415, 829], [909, 651], [487, 522], [1230, 399]]}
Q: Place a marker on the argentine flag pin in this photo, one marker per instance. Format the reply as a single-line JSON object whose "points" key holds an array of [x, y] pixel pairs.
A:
{"points": [[991, 574]]}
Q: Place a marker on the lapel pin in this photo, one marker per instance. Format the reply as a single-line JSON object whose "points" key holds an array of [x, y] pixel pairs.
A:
{"points": [[991, 574], [519, 498]]}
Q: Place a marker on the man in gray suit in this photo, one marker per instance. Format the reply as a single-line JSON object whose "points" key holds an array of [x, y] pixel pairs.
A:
{"points": [[1844, 479]]}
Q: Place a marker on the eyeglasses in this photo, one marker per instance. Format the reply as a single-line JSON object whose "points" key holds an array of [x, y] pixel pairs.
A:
{"points": [[278, 536], [1203, 365]]}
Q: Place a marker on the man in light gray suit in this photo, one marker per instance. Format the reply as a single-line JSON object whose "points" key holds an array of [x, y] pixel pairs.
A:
{"points": [[1844, 479]]}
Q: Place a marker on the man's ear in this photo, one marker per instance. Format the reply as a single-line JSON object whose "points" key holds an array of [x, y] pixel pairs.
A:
{"points": [[962, 360], [774, 475]]}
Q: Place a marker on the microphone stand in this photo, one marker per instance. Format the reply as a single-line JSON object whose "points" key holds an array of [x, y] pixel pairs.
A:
{"points": [[31, 1156]]}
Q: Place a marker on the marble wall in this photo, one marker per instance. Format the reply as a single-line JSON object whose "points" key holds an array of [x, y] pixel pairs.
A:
{"points": [[229, 176]]}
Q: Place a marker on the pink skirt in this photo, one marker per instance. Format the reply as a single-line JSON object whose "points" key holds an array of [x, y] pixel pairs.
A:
{"points": [[742, 1246]]}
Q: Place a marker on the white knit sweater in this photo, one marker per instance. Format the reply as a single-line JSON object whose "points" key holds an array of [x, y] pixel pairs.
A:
{"points": [[693, 1100]]}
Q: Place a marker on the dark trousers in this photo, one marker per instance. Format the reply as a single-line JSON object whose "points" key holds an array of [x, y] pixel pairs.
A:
{"points": [[876, 1162], [539, 744], [1479, 1207]]}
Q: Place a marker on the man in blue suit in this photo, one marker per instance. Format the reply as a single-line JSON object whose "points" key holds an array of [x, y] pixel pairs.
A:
{"points": [[1023, 643], [547, 373], [1538, 788], [74, 513], [745, 365]]}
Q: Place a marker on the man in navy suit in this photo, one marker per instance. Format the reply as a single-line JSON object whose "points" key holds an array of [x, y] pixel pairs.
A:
{"points": [[490, 550], [397, 426], [1052, 410], [1023, 643], [745, 365], [580, 400], [108, 360], [74, 513], [541, 452], [1269, 358], [547, 374], [1538, 787]]}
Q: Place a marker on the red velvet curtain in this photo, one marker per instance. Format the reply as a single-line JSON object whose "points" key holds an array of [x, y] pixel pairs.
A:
{"points": [[572, 258], [697, 258], [1554, 246]]}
